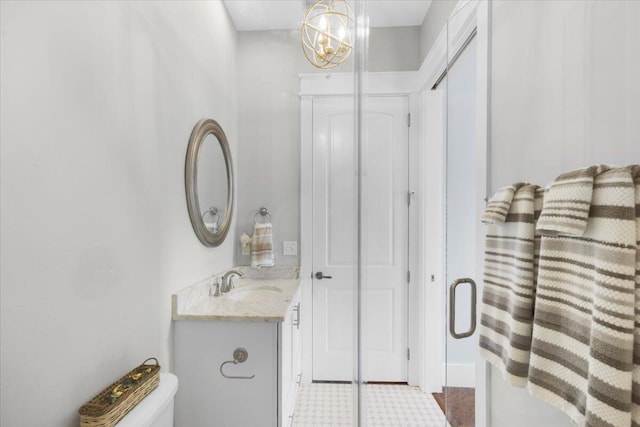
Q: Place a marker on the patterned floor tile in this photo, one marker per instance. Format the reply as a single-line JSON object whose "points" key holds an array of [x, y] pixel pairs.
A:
{"points": [[329, 404]]}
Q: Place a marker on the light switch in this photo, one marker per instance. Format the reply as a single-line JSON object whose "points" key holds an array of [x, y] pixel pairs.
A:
{"points": [[290, 247]]}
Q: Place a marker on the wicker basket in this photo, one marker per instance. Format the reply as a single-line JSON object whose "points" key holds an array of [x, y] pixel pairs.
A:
{"points": [[114, 402]]}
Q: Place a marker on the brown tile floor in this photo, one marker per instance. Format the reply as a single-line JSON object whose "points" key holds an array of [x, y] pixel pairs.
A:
{"points": [[461, 405]]}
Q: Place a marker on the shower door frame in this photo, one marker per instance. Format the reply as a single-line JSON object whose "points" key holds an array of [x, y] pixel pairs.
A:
{"points": [[434, 65], [474, 15]]}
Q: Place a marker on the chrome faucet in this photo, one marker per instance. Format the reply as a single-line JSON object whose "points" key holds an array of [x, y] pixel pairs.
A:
{"points": [[226, 280]]}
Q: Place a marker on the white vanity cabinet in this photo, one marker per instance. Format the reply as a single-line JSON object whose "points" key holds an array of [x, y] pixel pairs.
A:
{"points": [[206, 398], [289, 363]]}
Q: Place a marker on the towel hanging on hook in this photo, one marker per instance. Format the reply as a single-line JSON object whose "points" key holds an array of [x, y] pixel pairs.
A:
{"points": [[262, 253]]}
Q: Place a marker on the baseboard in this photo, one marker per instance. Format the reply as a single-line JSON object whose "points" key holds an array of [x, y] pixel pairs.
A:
{"points": [[460, 374]]}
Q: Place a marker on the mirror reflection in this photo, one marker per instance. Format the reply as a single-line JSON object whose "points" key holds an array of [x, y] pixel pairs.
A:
{"points": [[212, 183]]}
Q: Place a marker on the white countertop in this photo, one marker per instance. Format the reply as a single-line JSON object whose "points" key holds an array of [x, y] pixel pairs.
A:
{"points": [[196, 302]]}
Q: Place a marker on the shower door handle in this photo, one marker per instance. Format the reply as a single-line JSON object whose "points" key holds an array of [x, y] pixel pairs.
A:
{"points": [[452, 309]]}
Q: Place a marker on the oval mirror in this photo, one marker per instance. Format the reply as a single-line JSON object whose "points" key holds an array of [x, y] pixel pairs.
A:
{"points": [[209, 182]]}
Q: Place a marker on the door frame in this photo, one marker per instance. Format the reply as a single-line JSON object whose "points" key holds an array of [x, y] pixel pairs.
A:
{"points": [[401, 83], [471, 15]]}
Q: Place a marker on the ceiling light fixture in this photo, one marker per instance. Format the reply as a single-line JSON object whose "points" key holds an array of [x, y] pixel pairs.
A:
{"points": [[326, 34]]}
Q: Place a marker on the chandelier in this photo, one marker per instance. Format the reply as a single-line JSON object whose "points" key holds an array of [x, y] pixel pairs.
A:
{"points": [[325, 34]]}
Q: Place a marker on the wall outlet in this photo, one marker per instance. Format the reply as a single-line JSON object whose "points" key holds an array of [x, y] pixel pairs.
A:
{"points": [[290, 247], [246, 249], [245, 242]]}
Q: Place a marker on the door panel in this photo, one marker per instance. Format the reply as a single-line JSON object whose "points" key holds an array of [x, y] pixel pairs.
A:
{"points": [[462, 221], [334, 238], [383, 241]]}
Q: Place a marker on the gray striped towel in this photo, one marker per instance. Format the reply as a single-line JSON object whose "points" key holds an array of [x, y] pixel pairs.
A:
{"points": [[566, 206], [539, 202], [583, 332], [499, 205], [262, 246], [509, 280], [635, 398]]}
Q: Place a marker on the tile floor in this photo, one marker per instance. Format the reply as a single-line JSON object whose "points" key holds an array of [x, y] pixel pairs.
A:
{"points": [[330, 404]]}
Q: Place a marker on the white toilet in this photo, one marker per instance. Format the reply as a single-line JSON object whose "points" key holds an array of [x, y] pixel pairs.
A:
{"points": [[155, 410]]}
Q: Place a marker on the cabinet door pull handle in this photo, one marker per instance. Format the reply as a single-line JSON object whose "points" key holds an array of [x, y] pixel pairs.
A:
{"points": [[240, 355], [296, 321]]}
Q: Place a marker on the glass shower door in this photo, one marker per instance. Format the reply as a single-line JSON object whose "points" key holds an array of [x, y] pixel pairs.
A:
{"points": [[461, 217]]}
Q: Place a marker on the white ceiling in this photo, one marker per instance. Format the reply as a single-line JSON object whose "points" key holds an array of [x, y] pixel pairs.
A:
{"points": [[253, 15]]}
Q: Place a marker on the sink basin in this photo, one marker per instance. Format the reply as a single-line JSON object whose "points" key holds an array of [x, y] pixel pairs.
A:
{"points": [[255, 293]]}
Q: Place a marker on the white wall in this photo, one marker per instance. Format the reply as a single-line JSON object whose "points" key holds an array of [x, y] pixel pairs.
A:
{"points": [[98, 100], [565, 94], [269, 122]]}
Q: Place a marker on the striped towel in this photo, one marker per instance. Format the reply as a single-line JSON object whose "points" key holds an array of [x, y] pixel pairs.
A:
{"points": [[583, 333], [499, 205], [538, 204], [635, 413], [566, 206], [509, 280], [262, 246]]}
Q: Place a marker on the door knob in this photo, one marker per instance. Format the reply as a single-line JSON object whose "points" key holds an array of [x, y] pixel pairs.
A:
{"points": [[320, 276]]}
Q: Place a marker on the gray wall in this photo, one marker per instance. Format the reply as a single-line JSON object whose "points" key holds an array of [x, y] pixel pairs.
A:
{"points": [[269, 122], [269, 134], [98, 100], [433, 23], [394, 49], [565, 94]]}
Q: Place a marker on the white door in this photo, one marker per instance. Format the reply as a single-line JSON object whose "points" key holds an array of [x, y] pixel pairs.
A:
{"points": [[384, 229]]}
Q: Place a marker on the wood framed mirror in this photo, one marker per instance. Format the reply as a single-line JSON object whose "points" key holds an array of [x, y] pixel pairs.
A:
{"points": [[209, 182]]}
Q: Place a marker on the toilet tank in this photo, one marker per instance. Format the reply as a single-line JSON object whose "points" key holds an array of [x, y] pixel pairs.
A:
{"points": [[155, 410]]}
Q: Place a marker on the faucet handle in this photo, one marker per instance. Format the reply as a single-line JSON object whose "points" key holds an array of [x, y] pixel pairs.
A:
{"points": [[216, 289]]}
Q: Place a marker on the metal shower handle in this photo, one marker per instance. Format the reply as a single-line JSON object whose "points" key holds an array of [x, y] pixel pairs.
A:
{"points": [[452, 309]]}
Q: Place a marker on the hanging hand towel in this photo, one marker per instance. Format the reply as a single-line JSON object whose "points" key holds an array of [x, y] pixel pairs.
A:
{"points": [[509, 280], [262, 246], [499, 205], [583, 332], [567, 203]]}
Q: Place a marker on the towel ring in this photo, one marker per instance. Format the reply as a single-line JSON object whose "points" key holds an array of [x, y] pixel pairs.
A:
{"points": [[264, 212]]}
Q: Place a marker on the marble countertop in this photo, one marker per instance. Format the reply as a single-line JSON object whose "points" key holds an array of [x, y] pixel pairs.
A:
{"points": [[197, 303]]}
